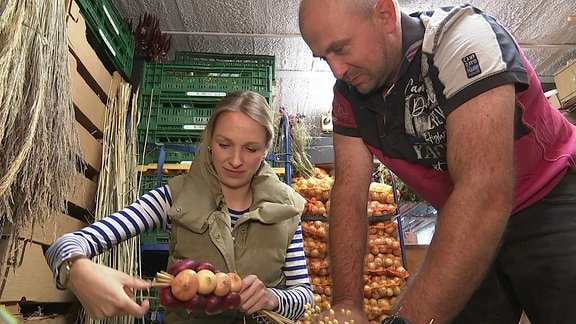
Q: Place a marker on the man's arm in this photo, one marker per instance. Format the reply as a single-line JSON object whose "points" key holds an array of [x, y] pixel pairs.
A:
{"points": [[347, 233], [471, 222]]}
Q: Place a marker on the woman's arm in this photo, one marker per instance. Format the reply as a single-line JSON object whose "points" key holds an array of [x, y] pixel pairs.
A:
{"points": [[114, 295], [148, 212], [299, 291]]}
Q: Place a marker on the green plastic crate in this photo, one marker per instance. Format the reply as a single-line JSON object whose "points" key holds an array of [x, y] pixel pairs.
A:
{"points": [[221, 59], [154, 302], [155, 236], [173, 153], [178, 116], [109, 35], [147, 183], [159, 136], [172, 79]]}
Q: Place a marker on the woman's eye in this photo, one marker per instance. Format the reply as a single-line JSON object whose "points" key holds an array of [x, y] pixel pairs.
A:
{"points": [[223, 145], [250, 149]]}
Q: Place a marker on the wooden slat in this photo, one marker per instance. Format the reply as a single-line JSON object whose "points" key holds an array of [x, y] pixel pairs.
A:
{"points": [[90, 109], [167, 168], [83, 194], [91, 148], [97, 76]]}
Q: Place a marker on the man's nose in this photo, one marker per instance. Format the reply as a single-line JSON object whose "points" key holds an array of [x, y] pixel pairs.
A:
{"points": [[338, 67]]}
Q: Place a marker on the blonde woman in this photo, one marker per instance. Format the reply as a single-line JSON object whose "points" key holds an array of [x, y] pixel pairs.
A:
{"points": [[230, 209]]}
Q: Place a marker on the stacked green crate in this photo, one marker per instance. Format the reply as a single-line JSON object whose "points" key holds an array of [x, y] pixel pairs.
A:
{"points": [[173, 153], [148, 182], [263, 66], [219, 59], [177, 98], [109, 35]]}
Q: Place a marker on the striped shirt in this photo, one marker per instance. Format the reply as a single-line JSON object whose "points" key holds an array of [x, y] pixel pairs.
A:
{"points": [[150, 211]]}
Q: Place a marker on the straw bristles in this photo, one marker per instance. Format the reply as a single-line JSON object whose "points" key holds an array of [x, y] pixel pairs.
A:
{"points": [[117, 179], [38, 139], [273, 317]]}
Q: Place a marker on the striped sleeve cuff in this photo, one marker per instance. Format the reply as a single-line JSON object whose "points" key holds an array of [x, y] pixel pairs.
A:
{"points": [[292, 302]]}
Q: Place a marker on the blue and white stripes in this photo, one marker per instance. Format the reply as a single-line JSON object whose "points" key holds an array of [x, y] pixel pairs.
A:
{"points": [[299, 292]]}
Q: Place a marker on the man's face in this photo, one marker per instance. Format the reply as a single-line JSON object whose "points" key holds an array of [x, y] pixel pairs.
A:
{"points": [[352, 45]]}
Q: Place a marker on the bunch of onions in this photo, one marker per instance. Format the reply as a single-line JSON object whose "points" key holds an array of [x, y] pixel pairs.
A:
{"points": [[198, 286]]}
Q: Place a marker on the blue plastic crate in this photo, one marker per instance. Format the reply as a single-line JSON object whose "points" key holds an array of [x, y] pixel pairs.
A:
{"points": [[154, 317], [154, 258]]}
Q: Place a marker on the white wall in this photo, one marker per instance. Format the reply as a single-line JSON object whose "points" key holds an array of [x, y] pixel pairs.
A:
{"points": [[309, 93]]}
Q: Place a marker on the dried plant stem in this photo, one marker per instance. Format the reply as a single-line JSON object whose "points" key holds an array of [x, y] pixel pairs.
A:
{"points": [[117, 180], [37, 133], [273, 317]]}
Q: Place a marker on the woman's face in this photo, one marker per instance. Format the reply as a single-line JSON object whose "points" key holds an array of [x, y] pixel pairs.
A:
{"points": [[238, 147]]}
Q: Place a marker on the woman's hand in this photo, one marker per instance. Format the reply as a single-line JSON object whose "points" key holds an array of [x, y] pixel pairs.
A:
{"points": [[105, 292], [255, 296]]}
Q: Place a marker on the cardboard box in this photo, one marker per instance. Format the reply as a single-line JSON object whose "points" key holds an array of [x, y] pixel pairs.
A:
{"points": [[33, 279], [47, 232], [553, 98], [415, 254], [570, 114], [410, 238], [67, 317], [565, 80], [90, 109]]}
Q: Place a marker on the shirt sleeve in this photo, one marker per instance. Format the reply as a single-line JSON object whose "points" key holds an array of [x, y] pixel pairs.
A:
{"points": [[298, 294], [343, 120], [148, 212], [471, 53]]}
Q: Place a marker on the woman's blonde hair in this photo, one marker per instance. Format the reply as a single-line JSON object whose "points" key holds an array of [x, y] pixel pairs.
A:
{"points": [[250, 103]]}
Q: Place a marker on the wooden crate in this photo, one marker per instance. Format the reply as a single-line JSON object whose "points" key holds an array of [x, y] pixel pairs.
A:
{"points": [[92, 85], [565, 80]]}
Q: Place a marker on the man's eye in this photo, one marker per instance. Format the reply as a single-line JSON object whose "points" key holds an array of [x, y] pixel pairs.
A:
{"points": [[338, 50]]}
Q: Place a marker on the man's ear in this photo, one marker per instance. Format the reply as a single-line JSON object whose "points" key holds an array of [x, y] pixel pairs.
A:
{"points": [[385, 12]]}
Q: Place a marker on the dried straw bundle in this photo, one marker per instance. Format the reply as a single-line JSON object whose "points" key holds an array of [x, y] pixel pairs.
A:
{"points": [[38, 140], [117, 180]]}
